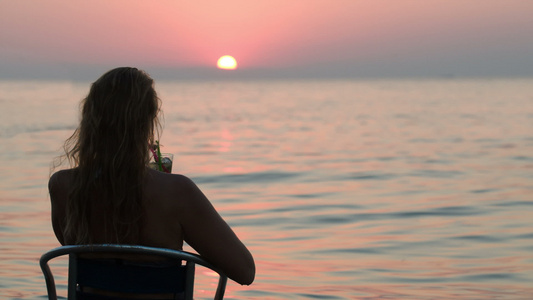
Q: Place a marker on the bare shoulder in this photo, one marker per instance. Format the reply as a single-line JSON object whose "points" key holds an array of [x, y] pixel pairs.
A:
{"points": [[60, 177], [176, 189], [59, 187], [60, 182], [169, 182]]}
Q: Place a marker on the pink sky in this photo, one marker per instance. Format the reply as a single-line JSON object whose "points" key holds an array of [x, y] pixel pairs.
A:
{"points": [[273, 34]]}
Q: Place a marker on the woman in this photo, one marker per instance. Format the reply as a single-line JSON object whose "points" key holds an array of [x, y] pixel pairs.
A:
{"points": [[111, 196]]}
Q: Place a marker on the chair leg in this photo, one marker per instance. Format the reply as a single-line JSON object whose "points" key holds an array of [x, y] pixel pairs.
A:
{"points": [[189, 281], [50, 282], [72, 276], [221, 288]]}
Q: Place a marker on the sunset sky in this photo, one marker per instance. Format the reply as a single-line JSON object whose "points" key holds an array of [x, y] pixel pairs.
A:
{"points": [[277, 37]]}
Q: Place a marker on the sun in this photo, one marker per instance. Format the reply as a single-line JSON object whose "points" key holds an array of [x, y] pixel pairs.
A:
{"points": [[227, 62]]}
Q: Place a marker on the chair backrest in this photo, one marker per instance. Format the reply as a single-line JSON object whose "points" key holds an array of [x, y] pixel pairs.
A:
{"points": [[119, 271]]}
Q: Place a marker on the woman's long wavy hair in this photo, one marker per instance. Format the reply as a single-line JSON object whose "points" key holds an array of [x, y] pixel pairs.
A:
{"points": [[110, 151]]}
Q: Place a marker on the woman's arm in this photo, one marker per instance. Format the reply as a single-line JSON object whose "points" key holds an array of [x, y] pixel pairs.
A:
{"points": [[206, 231]]}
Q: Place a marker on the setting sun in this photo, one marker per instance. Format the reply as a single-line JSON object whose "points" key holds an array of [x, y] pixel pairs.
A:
{"points": [[227, 62]]}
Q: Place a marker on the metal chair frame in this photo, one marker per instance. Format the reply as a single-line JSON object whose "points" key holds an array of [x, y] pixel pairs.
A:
{"points": [[78, 265]]}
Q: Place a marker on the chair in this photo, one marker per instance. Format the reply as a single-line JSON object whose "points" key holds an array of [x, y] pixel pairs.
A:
{"points": [[126, 269]]}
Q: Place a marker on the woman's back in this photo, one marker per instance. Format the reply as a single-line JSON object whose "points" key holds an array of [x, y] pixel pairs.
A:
{"points": [[160, 220], [174, 210]]}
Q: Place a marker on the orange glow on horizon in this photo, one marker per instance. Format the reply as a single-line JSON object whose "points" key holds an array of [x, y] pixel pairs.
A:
{"points": [[353, 36]]}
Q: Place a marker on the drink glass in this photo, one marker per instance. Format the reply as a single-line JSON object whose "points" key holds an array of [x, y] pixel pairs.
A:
{"points": [[166, 162]]}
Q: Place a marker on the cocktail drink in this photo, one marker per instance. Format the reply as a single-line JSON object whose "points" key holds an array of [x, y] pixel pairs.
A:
{"points": [[163, 165]]}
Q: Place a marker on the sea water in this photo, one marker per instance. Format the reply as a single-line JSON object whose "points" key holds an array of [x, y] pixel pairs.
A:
{"points": [[341, 189]]}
